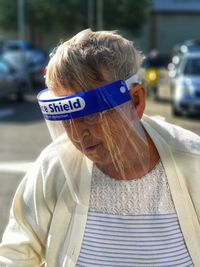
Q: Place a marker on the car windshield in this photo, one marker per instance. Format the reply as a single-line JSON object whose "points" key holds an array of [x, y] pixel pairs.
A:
{"points": [[192, 66], [18, 45], [156, 62]]}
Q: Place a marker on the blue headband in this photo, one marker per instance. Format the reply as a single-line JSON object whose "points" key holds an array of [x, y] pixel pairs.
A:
{"points": [[84, 103]]}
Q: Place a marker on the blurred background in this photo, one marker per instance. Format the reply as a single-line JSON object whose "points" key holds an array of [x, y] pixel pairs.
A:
{"points": [[165, 31]]}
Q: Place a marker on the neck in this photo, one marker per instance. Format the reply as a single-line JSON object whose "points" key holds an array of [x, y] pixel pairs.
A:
{"points": [[133, 164]]}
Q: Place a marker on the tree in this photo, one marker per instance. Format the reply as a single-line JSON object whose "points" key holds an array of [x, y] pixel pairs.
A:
{"points": [[41, 16], [126, 14], [71, 15], [8, 14]]}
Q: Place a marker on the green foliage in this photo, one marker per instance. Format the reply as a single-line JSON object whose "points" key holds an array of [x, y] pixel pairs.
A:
{"points": [[47, 13], [126, 14], [8, 14], [71, 15]]}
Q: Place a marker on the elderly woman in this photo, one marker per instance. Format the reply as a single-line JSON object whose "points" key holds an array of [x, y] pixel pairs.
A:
{"points": [[115, 187]]}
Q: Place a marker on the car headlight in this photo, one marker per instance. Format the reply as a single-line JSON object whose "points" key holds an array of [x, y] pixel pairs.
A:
{"points": [[183, 89]]}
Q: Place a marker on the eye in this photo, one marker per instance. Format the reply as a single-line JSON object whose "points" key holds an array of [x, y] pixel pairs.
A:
{"points": [[67, 123], [92, 119]]}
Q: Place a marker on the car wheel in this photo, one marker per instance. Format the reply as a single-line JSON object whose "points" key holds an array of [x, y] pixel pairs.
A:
{"points": [[152, 92], [175, 112], [21, 91], [155, 95]]}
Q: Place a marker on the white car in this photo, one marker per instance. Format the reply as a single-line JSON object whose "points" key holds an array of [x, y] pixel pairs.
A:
{"points": [[185, 86], [23, 55], [12, 81]]}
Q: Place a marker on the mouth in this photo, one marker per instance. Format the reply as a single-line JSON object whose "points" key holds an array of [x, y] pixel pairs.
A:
{"points": [[92, 147]]}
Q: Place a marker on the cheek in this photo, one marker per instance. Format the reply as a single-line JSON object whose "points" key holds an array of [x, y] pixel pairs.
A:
{"points": [[118, 136], [78, 135], [96, 131], [114, 133]]}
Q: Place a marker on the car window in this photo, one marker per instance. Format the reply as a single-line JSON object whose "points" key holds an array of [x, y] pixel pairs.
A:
{"points": [[19, 45], [4, 68], [192, 67], [156, 62]]}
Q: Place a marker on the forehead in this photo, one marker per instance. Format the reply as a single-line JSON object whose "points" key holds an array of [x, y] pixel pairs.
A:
{"points": [[70, 90], [66, 91]]}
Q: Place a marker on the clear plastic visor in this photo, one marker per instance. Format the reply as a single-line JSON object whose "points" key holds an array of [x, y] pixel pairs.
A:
{"points": [[101, 124]]}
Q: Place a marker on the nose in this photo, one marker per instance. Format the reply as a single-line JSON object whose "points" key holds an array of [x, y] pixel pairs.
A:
{"points": [[79, 130]]}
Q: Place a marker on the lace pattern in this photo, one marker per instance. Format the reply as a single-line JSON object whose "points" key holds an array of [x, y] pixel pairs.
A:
{"points": [[147, 195]]}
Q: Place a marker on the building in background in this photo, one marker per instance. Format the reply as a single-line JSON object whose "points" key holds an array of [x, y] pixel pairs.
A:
{"points": [[172, 22]]}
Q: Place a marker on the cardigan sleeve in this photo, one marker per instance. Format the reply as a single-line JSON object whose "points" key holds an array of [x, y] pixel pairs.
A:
{"points": [[24, 239]]}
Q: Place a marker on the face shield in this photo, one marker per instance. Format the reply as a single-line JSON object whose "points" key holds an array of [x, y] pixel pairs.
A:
{"points": [[101, 124]]}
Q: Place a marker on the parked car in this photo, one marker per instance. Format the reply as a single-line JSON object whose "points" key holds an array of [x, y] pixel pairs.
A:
{"points": [[27, 57], [179, 51], [185, 86], [155, 69], [12, 81]]}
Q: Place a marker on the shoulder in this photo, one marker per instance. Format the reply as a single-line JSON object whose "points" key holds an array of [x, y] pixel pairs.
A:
{"points": [[56, 161], [175, 136]]}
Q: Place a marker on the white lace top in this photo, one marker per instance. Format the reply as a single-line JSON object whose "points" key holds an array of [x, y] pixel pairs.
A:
{"points": [[132, 223], [147, 195]]}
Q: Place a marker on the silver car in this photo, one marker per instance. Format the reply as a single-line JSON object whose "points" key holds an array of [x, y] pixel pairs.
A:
{"points": [[185, 86], [25, 55], [12, 81]]}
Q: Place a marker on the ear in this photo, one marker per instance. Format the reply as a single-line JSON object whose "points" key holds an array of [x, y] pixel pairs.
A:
{"points": [[138, 95]]}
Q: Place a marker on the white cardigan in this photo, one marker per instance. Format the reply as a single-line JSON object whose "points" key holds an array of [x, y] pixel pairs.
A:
{"points": [[47, 226]]}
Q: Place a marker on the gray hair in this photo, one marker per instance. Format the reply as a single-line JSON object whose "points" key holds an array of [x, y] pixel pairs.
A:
{"points": [[92, 57]]}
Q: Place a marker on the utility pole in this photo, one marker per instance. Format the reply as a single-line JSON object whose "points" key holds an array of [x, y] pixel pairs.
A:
{"points": [[21, 37], [21, 27], [99, 16], [91, 13], [95, 14]]}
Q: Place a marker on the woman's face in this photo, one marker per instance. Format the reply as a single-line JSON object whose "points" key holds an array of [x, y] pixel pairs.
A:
{"points": [[101, 137]]}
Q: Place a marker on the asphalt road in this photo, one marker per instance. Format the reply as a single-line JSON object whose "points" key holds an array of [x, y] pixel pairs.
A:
{"points": [[23, 134]]}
